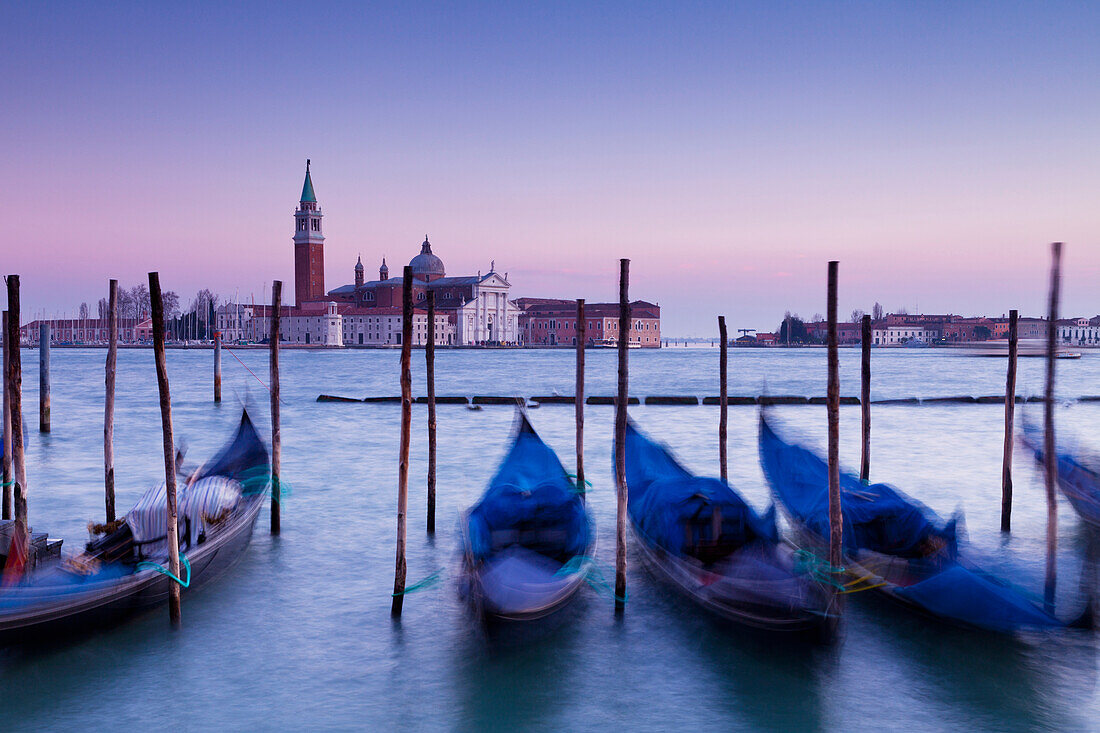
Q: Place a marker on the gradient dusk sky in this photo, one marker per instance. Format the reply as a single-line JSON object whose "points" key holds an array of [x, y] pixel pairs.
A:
{"points": [[729, 149]]}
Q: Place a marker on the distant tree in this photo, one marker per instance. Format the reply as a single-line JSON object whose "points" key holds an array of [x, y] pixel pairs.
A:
{"points": [[798, 332], [982, 333], [104, 307], [125, 303], [903, 311], [140, 303], [171, 304], [857, 316], [876, 312], [83, 311], [818, 318]]}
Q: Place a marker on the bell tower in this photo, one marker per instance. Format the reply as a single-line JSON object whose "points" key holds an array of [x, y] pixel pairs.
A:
{"points": [[309, 247]]}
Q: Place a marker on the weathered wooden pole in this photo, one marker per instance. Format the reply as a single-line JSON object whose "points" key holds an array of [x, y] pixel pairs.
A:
{"points": [[157, 303], [578, 399], [865, 399], [1010, 408], [109, 402], [217, 366], [429, 373], [15, 410], [403, 450], [44, 377], [620, 436], [723, 398], [5, 461], [836, 526], [276, 425], [1050, 459]]}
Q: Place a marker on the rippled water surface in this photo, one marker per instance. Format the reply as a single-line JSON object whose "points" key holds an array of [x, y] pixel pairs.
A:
{"points": [[299, 634]]}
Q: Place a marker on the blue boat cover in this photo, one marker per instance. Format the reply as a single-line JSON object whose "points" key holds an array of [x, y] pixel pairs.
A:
{"points": [[876, 516], [663, 495], [883, 520], [1078, 480], [530, 500]]}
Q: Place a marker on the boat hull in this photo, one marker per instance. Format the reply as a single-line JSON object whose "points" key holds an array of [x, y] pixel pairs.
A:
{"points": [[33, 613], [729, 602]]}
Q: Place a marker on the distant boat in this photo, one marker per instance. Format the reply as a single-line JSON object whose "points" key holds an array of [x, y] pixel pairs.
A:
{"points": [[700, 537], [528, 542], [896, 546], [1078, 474], [1033, 347], [611, 343], [117, 574]]}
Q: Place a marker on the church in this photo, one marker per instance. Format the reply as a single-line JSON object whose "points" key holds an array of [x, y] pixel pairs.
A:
{"points": [[470, 310]]}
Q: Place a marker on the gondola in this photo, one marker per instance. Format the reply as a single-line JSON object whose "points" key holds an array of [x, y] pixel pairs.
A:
{"points": [[1078, 474], [528, 542], [896, 546], [705, 541], [122, 572]]}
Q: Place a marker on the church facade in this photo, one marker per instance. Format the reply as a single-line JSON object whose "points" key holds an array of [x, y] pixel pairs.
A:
{"points": [[470, 310], [477, 307]]}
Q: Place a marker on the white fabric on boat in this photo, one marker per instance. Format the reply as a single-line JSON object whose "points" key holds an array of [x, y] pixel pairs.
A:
{"points": [[206, 498]]}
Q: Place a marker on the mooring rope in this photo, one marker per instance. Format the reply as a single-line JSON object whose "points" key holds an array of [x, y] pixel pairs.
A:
{"points": [[428, 582], [250, 371], [165, 571], [594, 576]]}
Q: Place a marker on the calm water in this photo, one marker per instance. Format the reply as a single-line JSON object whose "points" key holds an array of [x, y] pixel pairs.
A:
{"points": [[299, 634]]}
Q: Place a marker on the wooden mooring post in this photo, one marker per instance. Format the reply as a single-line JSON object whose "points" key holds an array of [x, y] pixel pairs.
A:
{"points": [[276, 423], [403, 449], [1010, 408], [429, 375], [217, 366], [620, 436], [836, 526], [157, 302], [15, 411], [44, 377], [723, 398], [1050, 458], [865, 399], [5, 460], [578, 400], [109, 402]]}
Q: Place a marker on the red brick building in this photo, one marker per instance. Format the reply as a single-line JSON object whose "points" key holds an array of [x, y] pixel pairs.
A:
{"points": [[553, 322]]}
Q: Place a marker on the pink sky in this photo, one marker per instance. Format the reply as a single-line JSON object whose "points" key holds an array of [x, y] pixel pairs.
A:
{"points": [[934, 152]]}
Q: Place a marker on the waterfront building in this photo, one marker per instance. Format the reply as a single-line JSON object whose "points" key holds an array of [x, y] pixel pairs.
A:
{"points": [[898, 335], [477, 307], [84, 330], [1079, 331], [553, 322]]}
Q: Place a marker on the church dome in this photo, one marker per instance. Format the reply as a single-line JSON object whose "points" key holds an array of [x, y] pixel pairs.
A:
{"points": [[426, 266]]}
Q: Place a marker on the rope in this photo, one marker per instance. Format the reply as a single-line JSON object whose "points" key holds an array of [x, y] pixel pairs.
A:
{"points": [[165, 571], [6, 484], [250, 371], [428, 582], [577, 488], [817, 568], [599, 583]]}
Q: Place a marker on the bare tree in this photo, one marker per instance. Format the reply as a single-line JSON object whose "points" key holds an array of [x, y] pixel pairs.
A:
{"points": [[139, 301], [857, 315], [171, 303], [83, 311], [125, 303], [818, 318], [104, 306], [876, 312]]}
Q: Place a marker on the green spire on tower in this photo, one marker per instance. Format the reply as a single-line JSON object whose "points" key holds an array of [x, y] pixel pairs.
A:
{"points": [[307, 188]]}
